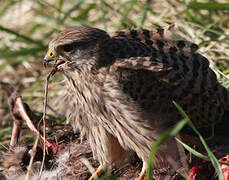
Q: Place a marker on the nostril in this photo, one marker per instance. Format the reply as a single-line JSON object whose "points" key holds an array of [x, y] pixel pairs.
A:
{"points": [[51, 54]]}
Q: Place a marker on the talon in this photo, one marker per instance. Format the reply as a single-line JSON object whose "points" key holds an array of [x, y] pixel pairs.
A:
{"points": [[141, 176], [143, 171], [97, 173]]}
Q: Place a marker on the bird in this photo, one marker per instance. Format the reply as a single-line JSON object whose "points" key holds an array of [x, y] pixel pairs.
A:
{"points": [[121, 89]]}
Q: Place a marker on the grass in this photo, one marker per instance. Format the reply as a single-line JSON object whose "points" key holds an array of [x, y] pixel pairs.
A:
{"points": [[168, 133], [172, 132], [210, 6], [27, 26]]}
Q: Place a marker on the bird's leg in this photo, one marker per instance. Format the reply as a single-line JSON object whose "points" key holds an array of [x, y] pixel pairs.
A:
{"points": [[143, 171], [114, 155], [97, 173]]}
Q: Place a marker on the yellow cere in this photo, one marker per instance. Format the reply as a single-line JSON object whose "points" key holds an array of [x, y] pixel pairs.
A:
{"points": [[52, 54]]}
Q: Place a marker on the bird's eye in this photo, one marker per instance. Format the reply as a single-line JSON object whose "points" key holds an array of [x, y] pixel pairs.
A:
{"points": [[68, 48]]}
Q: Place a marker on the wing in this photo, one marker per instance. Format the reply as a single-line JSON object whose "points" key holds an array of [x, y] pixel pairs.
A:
{"points": [[171, 61], [189, 82], [155, 74], [158, 38], [142, 34]]}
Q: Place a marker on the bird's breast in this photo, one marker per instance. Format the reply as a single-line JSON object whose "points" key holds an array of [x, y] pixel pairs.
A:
{"points": [[99, 98]]}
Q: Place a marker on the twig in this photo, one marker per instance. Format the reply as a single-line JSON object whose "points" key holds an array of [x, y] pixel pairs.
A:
{"points": [[30, 169], [4, 146], [44, 116], [17, 119]]}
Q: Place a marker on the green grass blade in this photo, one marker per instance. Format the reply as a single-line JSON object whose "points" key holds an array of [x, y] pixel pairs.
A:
{"points": [[72, 9], [208, 6], [193, 151], [123, 21], [170, 132], [209, 27], [5, 131], [213, 159], [7, 6], [84, 13], [118, 12], [21, 52], [25, 38], [60, 4], [196, 153], [205, 43], [46, 4], [102, 7], [144, 12], [14, 54], [209, 30]]}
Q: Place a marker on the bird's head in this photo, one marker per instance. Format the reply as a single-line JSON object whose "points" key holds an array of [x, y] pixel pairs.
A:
{"points": [[76, 45]]}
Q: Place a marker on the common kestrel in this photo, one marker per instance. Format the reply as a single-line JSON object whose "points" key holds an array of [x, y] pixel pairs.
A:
{"points": [[121, 89]]}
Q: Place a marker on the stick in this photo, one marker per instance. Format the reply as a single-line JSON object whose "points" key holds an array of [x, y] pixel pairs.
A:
{"points": [[17, 119], [30, 169], [44, 116]]}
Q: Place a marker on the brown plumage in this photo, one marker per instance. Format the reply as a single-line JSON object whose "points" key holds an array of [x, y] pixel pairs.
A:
{"points": [[121, 87]]}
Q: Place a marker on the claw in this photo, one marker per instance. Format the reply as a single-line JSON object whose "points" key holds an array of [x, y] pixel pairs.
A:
{"points": [[97, 173], [141, 176], [143, 171]]}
